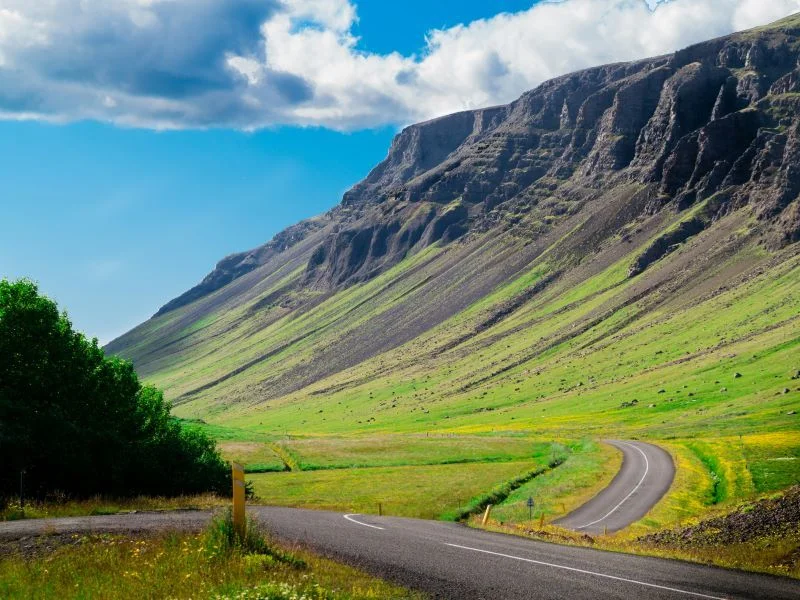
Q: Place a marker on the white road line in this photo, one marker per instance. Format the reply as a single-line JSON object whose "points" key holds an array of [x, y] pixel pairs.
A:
{"points": [[352, 520], [625, 499], [546, 564]]}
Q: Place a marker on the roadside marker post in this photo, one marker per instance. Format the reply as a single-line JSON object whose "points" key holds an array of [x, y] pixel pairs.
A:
{"points": [[239, 523], [486, 514], [530, 508], [541, 520]]}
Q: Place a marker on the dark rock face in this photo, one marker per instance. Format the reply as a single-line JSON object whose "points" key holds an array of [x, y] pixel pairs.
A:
{"points": [[716, 121]]}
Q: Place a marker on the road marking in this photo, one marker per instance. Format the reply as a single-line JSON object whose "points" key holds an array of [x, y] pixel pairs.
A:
{"points": [[546, 564], [625, 499], [352, 520]]}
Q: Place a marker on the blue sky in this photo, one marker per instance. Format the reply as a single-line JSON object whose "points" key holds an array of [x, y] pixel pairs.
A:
{"points": [[140, 142]]}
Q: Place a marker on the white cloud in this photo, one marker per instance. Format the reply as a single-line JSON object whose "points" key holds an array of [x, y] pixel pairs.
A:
{"points": [[257, 63]]}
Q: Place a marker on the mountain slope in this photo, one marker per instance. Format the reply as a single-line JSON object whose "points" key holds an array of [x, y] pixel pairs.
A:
{"points": [[538, 265]]}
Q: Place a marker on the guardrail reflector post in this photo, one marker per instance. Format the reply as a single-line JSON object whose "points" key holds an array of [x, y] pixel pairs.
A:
{"points": [[239, 523], [486, 514]]}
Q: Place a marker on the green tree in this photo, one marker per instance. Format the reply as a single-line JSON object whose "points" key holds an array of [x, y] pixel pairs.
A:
{"points": [[81, 423]]}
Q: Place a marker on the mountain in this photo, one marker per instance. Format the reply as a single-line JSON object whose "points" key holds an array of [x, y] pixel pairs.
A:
{"points": [[611, 232]]}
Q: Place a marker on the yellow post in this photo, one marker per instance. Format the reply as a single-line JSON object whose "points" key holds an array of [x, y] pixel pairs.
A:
{"points": [[541, 520], [486, 514], [239, 523]]}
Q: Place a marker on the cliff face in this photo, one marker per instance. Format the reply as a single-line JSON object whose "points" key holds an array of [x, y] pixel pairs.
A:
{"points": [[581, 162], [720, 117]]}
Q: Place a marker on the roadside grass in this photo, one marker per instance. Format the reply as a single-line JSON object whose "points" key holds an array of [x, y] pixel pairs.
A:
{"points": [[99, 505], [425, 492], [415, 449], [589, 466], [501, 491], [206, 565]]}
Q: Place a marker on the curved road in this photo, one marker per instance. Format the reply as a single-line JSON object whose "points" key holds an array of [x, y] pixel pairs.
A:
{"points": [[447, 560], [645, 476]]}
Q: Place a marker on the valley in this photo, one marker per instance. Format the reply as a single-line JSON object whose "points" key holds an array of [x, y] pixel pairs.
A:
{"points": [[612, 256]]}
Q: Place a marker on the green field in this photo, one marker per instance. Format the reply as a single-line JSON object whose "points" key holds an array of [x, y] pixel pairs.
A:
{"points": [[427, 492]]}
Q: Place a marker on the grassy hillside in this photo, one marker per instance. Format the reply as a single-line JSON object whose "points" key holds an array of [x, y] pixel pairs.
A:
{"points": [[613, 255]]}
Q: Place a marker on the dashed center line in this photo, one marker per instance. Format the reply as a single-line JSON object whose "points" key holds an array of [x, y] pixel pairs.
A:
{"points": [[596, 574]]}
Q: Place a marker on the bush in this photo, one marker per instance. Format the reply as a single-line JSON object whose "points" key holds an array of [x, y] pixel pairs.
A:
{"points": [[221, 539], [79, 423]]}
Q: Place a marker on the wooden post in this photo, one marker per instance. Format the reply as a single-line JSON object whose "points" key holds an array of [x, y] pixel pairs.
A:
{"points": [[486, 514], [541, 520], [380, 510], [239, 523]]}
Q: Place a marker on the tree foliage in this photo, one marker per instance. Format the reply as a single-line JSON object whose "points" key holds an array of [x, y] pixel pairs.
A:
{"points": [[81, 423]]}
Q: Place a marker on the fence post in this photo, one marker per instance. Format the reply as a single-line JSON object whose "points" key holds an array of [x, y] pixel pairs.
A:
{"points": [[239, 523]]}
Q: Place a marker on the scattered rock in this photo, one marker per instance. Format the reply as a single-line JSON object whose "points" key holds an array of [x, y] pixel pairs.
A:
{"points": [[771, 518], [737, 375]]}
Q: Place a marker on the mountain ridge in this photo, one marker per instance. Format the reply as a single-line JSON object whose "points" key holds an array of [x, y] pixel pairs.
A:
{"points": [[690, 153]]}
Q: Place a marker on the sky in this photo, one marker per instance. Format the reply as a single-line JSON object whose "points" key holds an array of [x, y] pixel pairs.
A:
{"points": [[143, 140]]}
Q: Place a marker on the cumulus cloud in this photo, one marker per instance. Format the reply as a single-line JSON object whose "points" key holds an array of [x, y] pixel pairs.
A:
{"points": [[257, 63]]}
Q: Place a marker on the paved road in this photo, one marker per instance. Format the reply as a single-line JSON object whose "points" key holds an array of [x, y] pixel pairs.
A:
{"points": [[646, 474], [452, 561]]}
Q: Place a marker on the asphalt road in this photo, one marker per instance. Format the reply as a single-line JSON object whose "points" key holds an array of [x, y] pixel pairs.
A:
{"points": [[448, 560], [645, 476]]}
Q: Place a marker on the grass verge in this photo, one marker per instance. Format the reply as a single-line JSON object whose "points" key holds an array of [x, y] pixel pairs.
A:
{"points": [[99, 505], [213, 564]]}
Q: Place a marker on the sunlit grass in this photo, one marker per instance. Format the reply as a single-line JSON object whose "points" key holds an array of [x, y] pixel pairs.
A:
{"points": [[425, 492], [417, 449], [184, 566]]}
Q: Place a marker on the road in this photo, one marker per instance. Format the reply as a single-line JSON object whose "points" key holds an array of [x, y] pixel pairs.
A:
{"points": [[645, 476], [448, 560]]}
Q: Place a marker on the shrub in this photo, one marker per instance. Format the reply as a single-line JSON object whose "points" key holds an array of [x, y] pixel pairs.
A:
{"points": [[221, 539], [80, 423]]}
